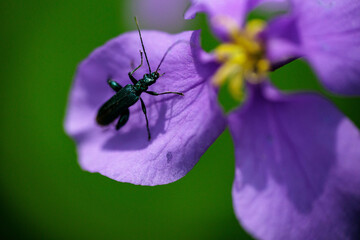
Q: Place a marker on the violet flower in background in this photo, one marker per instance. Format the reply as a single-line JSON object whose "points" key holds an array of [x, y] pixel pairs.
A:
{"points": [[182, 127], [165, 15], [297, 157]]}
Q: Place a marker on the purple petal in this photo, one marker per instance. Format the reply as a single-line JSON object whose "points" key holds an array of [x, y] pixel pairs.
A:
{"points": [[327, 34], [234, 9], [297, 167], [182, 128]]}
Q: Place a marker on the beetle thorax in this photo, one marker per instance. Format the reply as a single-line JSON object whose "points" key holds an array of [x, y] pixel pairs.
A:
{"points": [[148, 79]]}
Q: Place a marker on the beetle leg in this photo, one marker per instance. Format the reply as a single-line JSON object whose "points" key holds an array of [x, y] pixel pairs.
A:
{"points": [[147, 122], [141, 57], [114, 85], [156, 94], [124, 116], [134, 81]]}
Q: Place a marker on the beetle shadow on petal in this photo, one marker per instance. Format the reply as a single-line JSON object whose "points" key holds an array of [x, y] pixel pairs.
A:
{"points": [[179, 104], [136, 137]]}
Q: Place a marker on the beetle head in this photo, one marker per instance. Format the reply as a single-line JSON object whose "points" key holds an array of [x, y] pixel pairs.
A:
{"points": [[151, 78], [155, 75]]}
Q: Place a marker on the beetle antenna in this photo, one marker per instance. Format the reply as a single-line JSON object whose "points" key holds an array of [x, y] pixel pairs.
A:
{"points": [[168, 50], [142, 44]]}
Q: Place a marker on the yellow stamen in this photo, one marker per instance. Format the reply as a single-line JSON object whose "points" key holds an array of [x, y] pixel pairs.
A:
{"points": [[235, 86], [254, 27], [226, 70], [243, 57]]}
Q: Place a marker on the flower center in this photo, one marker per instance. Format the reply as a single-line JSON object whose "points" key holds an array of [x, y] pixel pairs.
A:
{"points": [[243, 58]]}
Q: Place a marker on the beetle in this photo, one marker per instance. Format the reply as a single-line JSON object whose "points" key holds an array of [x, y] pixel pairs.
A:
{"points": [[118, 105]]}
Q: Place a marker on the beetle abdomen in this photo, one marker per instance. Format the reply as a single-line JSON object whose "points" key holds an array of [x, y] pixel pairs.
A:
{"points": [[121, 101]]}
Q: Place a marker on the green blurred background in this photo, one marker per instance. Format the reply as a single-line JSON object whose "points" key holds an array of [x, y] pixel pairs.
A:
{"points": [[44, 193]]}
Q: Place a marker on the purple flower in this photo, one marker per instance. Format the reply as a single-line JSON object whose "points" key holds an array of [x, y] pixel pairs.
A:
{"points": [[182, 127], [324, 32], [297, 157]]}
